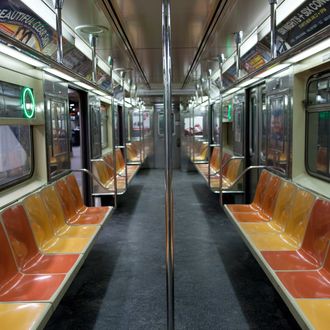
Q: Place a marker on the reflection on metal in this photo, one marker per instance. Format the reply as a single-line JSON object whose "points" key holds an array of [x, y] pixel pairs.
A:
{"points": [[221, 61], [273, 33], [210, 137], [58, 5], [93, 31], [169, 216], [113, 123], [238, 41], [110, 62], [81, 170]]}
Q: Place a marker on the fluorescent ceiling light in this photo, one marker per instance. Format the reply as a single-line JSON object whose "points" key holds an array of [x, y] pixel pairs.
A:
{"points": [[231, 91], [229, 62], [309, 52], [249, 82], [60, 74], [83, 47], [21, 57], [83, 85], [102, 65], [272, 70], [98, 92], [248, 43]]}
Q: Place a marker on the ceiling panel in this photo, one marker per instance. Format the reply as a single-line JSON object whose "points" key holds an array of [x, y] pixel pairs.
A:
{"points": [[190, 20]]}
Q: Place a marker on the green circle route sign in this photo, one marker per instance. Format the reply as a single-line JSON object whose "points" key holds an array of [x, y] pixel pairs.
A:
{"points": [[28, 103]]}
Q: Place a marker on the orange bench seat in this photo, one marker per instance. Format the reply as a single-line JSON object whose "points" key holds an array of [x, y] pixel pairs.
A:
{"points": [[22, 316], [28, 258], [293, 248]]}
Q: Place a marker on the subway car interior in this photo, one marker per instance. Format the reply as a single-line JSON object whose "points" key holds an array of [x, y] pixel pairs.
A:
{"points": [[164, 164]]}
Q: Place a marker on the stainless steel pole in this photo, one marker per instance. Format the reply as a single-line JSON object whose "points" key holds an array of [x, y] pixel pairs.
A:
{"points": [[92, 41], [209, 112], [113, 125], [58, 4], [273, 33], [238, 40], [123, 73], [169, 216], [221, 61]]}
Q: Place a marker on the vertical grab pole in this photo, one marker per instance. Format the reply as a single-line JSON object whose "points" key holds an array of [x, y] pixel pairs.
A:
{"points": [[238, 41], [209, 74], [221, 60], [273, 45], [169, 219], [123, 73], [113, 124], [58, 4]]}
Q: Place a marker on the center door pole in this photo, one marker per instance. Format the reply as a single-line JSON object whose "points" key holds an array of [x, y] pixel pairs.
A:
{"points": [[169, 217]]}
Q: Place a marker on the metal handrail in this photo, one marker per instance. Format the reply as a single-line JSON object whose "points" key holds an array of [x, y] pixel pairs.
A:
{"points": [[226, 163], [106, 164], [82, 170], [253, 167], [102, 160]]}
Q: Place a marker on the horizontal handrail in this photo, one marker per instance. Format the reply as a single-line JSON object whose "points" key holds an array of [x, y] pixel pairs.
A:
{"points": [[253, 167], [226, 163], [106, 164], [83, 170], [104, 161]]}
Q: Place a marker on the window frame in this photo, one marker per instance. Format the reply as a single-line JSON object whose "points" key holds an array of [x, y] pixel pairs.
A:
{"points": [[310, 109], [49, 134]]}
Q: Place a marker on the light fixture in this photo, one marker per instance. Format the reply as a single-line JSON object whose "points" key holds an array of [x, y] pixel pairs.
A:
{"points": [[273, 70], [98, 92], [21, 57], [83, 85], [59, 74], [309, 52], [231, 91]]}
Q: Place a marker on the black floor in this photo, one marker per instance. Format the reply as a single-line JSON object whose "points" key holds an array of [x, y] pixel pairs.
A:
{"points": [[218, 283]]}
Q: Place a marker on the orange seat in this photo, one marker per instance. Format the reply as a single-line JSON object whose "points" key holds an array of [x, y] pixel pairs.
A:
{"points": [[56, 217], [317, 312], [44, 233], [288, 225], [27, 255], [267, 206], [22, 316], [16, 286], [256, 205], [83, 209], [71, 211], [308, 284], [133, 154], [312, 253], [120, 162]]}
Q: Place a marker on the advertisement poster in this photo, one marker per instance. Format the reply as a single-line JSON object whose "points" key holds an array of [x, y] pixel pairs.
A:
{"points": [[137, 124], [307, 19], [255, 58], [21, 23], [146, 120]]}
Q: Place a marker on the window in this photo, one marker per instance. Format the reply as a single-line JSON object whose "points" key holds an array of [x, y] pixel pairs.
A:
{"points": [[318, 125], [104, 126], [95, 128], [15, 154], [58, 136]]}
